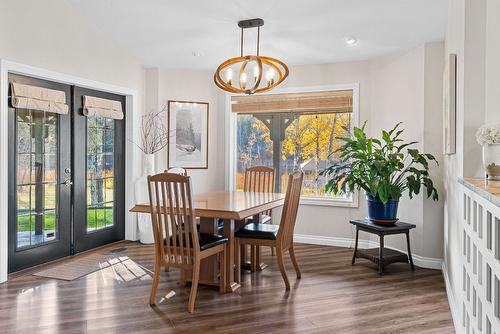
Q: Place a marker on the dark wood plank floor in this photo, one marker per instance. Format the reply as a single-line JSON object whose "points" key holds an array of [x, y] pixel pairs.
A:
{"points": [[331, 297]]}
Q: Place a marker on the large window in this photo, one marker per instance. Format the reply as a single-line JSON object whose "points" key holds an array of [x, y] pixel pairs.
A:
{"points": [[293, 131]]}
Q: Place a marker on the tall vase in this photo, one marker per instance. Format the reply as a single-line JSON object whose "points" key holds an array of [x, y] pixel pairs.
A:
{"points": [[149, 164], [491, 161], [142, 196]]}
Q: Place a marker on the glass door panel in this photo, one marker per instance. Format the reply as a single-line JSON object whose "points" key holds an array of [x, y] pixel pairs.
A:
{"points": [[37, 178], [100, 173]]}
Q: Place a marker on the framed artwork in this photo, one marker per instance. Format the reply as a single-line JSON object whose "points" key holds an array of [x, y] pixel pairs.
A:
{"points": [[188, 134], [450, 104]]}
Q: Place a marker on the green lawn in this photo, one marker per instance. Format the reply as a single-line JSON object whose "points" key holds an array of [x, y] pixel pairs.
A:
{"points": [[96, 218]]}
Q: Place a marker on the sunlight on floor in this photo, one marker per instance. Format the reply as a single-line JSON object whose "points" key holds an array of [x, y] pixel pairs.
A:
{"points": [[123, 269]]}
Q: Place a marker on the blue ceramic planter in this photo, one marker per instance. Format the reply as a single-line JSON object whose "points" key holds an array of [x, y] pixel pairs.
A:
{"points": [[380, 211]]}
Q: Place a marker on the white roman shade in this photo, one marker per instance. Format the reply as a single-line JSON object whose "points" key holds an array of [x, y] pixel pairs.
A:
{"points": [[98, 107], [38, 98]]}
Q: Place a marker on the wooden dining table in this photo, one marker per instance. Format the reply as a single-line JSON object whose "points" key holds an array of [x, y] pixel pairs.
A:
{"points": [[231, 207]]}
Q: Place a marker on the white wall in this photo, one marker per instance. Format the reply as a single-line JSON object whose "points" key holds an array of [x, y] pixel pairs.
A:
{"points": [[52, 35]]}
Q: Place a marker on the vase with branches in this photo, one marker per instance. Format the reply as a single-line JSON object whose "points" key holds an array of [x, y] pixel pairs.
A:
{"points": [[153, 137]]}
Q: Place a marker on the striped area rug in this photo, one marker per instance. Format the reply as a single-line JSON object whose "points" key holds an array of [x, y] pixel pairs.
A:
{"points": [[78, 267]]}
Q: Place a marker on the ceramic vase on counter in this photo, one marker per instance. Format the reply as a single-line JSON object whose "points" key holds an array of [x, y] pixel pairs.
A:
{"points": [[491, 161], [142, 196]]}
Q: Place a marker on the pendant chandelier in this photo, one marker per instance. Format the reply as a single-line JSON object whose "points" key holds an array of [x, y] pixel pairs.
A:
{"points": [[250, 74]]}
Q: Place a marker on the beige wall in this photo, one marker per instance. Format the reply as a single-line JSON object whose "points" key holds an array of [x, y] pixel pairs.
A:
{"points": [[474, 35], [493, 61], [193, 85], [392, 89]]}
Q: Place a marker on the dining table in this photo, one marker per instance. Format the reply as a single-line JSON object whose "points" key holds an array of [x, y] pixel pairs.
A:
{"points": [[231, 208]]}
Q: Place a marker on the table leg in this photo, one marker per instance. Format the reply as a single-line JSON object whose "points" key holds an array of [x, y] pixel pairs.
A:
{"points": [[208, 266], [355, 247], [409, 251], [228, 232], [381, 256]]}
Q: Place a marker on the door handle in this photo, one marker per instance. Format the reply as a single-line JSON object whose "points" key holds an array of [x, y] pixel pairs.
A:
{"points": [[67, 183]]}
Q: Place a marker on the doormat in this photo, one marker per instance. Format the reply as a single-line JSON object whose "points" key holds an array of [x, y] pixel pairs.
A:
{"points": [[78, 267]]}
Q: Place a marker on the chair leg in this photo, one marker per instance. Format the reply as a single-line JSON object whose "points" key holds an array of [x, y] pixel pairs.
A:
{"points": [[294, 261], [222, 276], [253, 258], [273, 251], [154, 283], [281, 264], [194, 285], [237, 258]]}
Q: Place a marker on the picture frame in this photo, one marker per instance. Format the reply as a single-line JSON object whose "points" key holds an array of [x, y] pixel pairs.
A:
{"points": [[188, 134], [450, 105]]}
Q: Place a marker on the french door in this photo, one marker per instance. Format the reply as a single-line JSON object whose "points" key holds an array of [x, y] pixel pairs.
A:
{"points": [[66, 186]]}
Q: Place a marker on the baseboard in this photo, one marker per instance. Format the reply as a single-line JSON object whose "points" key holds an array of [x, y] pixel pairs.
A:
{"points": [[329, 241], [420, 261], [454, 308]]}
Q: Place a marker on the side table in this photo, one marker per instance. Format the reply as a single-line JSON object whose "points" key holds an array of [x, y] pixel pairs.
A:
{"points": [[382, 256]]}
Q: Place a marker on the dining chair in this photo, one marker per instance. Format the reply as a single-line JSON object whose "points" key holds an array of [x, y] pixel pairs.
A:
{"points": [[279, 236], [258, 179], [177, 242]]}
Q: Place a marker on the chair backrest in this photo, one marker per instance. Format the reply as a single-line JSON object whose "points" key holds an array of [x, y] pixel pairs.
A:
{"points": [[289, 214], [259, 179], [172, 214], [177, 170]]}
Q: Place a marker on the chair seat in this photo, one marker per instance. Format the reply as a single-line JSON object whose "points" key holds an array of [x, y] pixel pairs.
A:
{"points": [[265, 220], [207, 240], [258, 231]]}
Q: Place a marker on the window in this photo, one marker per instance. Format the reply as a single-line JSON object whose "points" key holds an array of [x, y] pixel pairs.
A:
{"points": [[292, 131]]}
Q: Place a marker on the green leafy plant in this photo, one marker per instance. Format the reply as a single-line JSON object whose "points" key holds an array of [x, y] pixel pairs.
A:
{"points": [[385, 168]]}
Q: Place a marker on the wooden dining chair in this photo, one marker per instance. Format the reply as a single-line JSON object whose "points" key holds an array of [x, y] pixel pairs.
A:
{"points": [[279, 236], [258, 179], [177, 242]]}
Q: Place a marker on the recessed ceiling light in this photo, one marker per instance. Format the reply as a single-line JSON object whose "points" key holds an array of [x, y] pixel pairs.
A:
{"points": [[350, 40], [197, 54]]}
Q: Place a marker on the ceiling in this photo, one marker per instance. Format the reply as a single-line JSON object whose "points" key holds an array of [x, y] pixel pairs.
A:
{"points": [[165, 33]]}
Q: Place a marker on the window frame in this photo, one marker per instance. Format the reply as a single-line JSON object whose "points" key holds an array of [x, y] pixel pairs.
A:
{"points": [[231, 135]]}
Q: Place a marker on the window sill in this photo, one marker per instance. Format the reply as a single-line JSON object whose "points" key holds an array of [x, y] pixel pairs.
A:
{"points": [[334, 202]]}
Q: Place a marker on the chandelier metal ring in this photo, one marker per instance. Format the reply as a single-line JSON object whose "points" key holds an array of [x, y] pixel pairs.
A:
{"points": [[267, 73]]}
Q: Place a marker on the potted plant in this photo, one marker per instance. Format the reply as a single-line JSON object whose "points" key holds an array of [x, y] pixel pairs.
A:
{"points": [[384, 168], [488, 136]]}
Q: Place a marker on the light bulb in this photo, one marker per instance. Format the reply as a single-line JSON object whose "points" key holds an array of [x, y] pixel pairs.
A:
{"points": [[255, 73], [243, 77], [270, 74], [229, 75]]}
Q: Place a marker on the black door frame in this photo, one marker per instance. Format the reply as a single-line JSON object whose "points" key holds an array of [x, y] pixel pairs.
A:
{"points": [[19, 259], [83, 240], [71, 239]]}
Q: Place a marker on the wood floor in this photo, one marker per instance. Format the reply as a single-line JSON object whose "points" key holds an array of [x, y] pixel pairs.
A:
{"points": [[331, 297]]}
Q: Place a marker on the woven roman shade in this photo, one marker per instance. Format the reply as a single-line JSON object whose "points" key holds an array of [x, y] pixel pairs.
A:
{"points": [[38, 98], [99, 107], [312, 102]]}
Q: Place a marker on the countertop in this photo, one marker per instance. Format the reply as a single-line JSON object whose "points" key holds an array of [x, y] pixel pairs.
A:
{"points": [[487, 189]]}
